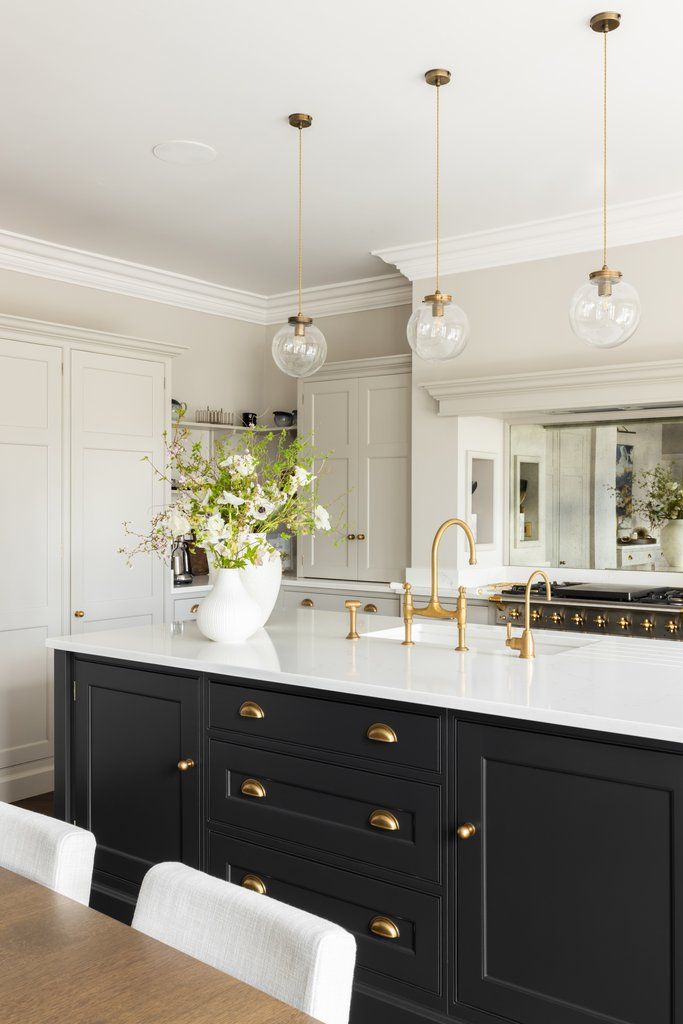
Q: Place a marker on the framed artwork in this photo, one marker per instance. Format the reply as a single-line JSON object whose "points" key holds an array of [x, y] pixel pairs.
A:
{"points": [[624, 481]]}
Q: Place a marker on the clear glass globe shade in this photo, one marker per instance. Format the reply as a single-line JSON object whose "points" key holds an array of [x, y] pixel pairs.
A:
{"points": [[605, 321], [436, 338], [299, 356]]}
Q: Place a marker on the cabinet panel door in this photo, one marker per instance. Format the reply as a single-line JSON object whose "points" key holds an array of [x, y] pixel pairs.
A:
{"points": [[566, 897], [131, 730], [30, 524], [383, 476], [330, 419], [117, 413]]}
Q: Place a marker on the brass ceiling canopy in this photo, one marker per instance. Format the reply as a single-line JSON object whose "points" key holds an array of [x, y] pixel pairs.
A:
{"points": [[606, 21], [437, 76], [300, 120]]}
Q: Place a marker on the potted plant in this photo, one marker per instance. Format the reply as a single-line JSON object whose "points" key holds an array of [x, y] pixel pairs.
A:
{"points": [[662, 506], [259, 484]]}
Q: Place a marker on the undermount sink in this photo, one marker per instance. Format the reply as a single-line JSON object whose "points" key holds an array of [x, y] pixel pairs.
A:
{"points": [[489, 640]]}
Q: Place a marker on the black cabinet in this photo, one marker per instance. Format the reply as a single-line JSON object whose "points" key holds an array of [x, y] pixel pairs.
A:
{"points": [[132, 728], [567, 900]]}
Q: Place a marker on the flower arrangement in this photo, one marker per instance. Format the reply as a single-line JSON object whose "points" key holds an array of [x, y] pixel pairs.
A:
{"points": [[663, 501], [260, 483]]}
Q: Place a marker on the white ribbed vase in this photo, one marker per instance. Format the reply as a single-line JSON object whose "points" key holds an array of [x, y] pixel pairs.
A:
{"points": [[672, 543], [228, 613], [263, 581]]}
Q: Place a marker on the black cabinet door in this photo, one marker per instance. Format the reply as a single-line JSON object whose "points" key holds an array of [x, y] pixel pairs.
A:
{"points": [[569, 894], [131, 729]]}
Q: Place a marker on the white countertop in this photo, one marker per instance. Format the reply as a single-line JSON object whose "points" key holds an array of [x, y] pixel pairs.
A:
{"points": [[612, 684], [202, 584]]}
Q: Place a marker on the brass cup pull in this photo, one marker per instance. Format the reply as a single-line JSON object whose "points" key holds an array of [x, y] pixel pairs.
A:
{"points": [[371, 609], [307, 603], [79, 614], [381, 733], [194, 609], [254, 788], [186, 764], [466, 831], [361, 536], [250, 709], [350, 536], [384, 820], [384, 927], [254, 884]]}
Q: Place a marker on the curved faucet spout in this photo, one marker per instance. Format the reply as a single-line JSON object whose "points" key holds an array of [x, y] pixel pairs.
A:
{"points": [[434, 608]]}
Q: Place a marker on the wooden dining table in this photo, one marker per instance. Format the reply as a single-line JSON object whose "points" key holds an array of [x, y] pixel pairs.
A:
{"points": [[61, 961]]}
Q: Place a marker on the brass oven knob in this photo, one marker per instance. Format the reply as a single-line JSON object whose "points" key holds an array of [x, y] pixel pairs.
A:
{"points": [[648, 625], [307, 603], [672, 626], [536, 614], [250, 709], [384, 820], [577, 619], [384, 927], [600, 621], [186, 764], [556, 617], [514, 613], [371, 609], [381, 733], [255, 884], [254, 788], [623, 623], [466, 831], [79, 614]]}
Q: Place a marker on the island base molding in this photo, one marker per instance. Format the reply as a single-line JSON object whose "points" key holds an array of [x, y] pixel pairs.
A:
{"points": [[490, 869]]}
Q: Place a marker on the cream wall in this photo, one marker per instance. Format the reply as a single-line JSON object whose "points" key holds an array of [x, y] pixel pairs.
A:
{"points": [[519, 322]]}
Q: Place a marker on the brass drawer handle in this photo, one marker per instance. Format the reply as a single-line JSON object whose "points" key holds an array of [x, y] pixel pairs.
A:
{"points": [[186, 764], [252, 787], [385, 820], [384, 927], [79, 614], [466, 830], [194, 609], [371, 609], [307, 603], [254, 884], [381, 733], [250, 709]]}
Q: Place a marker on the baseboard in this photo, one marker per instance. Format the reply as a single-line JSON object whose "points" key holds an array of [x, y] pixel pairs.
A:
{"points": [[26, 780]]}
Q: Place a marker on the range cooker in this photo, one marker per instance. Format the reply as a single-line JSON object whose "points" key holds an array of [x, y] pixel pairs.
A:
{"points": [[597, 608]]}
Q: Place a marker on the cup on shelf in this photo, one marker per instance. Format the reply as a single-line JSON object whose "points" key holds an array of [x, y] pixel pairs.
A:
{"points": [[249, 419]]}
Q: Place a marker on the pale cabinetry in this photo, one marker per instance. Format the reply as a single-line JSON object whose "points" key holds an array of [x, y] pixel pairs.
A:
{"points": [[358, 413]]}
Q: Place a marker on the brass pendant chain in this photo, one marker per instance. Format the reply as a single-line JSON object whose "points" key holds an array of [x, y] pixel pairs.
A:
{"points": [[604, 150], [300, 245], [438, 179]]}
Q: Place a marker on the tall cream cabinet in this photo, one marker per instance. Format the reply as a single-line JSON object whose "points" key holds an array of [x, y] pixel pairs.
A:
{"points": [[78, 412], [358, 413]]}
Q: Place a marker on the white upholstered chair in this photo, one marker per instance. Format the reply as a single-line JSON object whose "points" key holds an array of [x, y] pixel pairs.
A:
{"points": [[55, 854], [294, 956]]}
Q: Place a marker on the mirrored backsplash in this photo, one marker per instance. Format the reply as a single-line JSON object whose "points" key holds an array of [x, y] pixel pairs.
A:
{"points": [[597, 495]]}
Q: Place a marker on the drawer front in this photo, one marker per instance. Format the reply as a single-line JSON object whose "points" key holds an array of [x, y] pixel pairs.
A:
{"points": [[185, 609], [333, 601], [328, 725], [392, 823], [352, 901]]}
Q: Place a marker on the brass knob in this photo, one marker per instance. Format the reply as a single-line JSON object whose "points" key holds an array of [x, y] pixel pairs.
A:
{"points": [[623, 623], [385, 820], [556, 617], [536, 614], [307, 603], [361, 536], [384, 927], [350, 536], [466, 831], [194, 609], [79, 615], [250, 709], [672, 626], [600, 621], [648, 625], [371, 609], [186, 764], [254, 788], [381, 733], [254, 884], [514, 613], [577, 619]]}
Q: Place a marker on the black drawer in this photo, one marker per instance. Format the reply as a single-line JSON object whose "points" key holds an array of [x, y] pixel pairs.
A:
{"points": [[327, 807], [413, 958], [329, 725]]}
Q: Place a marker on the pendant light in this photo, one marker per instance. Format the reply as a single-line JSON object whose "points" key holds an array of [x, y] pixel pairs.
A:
{"points": [[605, 311], [438, 329], [299, 348]]}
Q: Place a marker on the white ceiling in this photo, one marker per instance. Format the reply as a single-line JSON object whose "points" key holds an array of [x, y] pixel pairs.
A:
{"points": [[89, 88]]}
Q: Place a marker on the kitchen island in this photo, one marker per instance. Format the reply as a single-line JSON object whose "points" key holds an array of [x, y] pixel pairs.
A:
{"points": [[504, 837]]}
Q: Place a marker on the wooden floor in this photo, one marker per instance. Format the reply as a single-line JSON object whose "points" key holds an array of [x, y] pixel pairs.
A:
{"points": [[43, 804]]}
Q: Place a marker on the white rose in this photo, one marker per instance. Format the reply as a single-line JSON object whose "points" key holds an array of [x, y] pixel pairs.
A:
{"points": [[321, 518], [178, 523]]}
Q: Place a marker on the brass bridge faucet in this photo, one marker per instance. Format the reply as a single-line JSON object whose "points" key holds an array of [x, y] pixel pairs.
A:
{"points": [[435, 610], [525, 643]]}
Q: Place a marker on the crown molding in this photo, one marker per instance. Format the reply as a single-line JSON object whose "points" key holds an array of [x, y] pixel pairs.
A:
{"points": [[375, 366], [20, 328], [594, 392], [642, 221], [39, 258], [346, 297]]}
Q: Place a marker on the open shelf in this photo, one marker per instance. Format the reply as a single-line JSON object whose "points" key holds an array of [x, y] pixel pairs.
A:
{"points": [[238, 429]]}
